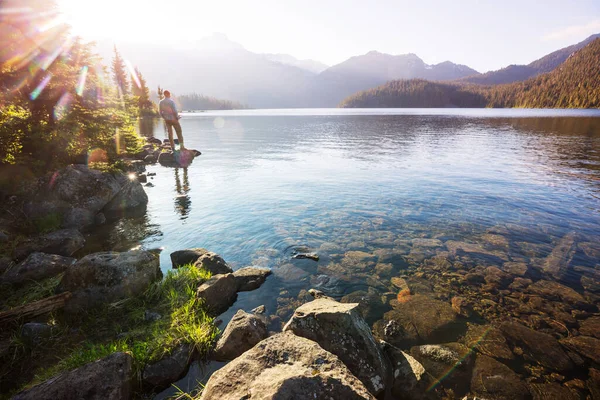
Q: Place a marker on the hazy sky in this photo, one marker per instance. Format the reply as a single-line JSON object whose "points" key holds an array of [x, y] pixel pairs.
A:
{"points": [[483, 34]]}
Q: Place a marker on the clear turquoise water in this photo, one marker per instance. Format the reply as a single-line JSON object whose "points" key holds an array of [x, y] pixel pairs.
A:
{"points": [[331, 181]]}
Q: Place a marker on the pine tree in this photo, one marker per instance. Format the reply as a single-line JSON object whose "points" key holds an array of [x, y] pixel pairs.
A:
{"points": [[142, 92], [160, 93], [120, 72]]}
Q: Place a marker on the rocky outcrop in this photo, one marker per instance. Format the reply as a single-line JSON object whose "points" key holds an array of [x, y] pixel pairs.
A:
{"points": [[285, 366], [242, 333], [63, 242], [76, 194], [340, 329], [109, 276], [415, 319], [201, 258], [493, 380], [537, 346], [218, 293], [169, 369], [110, 378], [250, 278], [410, 380], [37, 266]]}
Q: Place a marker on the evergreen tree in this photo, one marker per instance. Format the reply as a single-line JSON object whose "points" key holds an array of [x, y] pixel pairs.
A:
{"points": [[142, 93], [119, 71], [160, 91]]}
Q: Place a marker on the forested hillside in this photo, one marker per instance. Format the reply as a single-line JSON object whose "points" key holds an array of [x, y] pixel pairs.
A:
{"points": [[575, 84], [196, 101]]}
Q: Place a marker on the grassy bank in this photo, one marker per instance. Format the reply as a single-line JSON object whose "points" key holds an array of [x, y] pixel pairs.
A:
{"points": [[122, 326]]}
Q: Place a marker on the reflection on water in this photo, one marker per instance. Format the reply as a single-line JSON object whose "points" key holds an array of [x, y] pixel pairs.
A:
{"points": [[484, 211], [183, 201]]}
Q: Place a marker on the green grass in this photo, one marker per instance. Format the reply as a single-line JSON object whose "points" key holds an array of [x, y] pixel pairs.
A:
{"points": [[121, 326], [14, 296], [47, 223]]}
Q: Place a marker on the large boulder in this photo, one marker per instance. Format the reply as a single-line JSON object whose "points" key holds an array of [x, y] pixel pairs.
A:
{"points": [[285, 366], [415, 319], [108, 276], [250, 278], [410, 380], [242, 333], [131, 196], [201, 258], [493, 380], [218, 293], [537, 346], [340, 329], [169, 369], [64, 242], [175, 159], [111, 378], [37, 266]]}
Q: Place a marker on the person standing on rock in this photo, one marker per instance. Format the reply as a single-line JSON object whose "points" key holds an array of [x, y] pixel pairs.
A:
{"points": [[168, 110]]}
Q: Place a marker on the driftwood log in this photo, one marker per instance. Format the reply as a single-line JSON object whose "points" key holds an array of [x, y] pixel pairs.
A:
{"points": [[36, 308]]}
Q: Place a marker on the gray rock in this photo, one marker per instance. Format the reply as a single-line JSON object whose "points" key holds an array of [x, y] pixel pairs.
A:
{"points": [[543, 391], [5, 265], [259, 310], [78, 218], [100, 219], [37, 266], [537, 346], [151, 316], [110, 378], [410, 380], [218, 293], [309, 256], [34, 333], [142, 178], [242, 333], [587, 346], [64, 242], [169, 369], [202, 258], [131, 196], [417, 318], [136, 166], [250, 278], [494, 380], [177, 159], [438, 359], [317, 294], [340, 329], [107, 277], [151, 158], [285, 366]]}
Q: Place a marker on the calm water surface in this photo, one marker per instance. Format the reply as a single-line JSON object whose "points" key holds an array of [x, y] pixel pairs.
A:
{"points": [[271, 182]]}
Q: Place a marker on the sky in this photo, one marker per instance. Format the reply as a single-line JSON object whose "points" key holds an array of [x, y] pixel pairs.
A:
{"points": [[483, 34]]}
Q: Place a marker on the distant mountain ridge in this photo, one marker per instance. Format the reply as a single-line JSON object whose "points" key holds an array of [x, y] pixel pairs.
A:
{"points": [[309, 65], [573, 84], [515, 73]]}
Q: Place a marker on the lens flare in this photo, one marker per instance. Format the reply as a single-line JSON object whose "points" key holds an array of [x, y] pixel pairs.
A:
{"points": [[40, 88], [134, 76], [81, 80], [61, 109]]}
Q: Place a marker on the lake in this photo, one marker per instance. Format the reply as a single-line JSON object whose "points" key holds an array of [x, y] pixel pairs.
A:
{"points": [[476, 204]]}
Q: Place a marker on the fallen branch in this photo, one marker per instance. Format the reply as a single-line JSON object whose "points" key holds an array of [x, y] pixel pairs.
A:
{"points": [[36, 308]]}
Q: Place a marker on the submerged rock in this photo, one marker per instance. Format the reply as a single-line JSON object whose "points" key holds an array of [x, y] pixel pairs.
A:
{"points": [[37, 266], [369, 304], [586, 346], [416, 318], [111, 378], [340, 329], [218, 293], [543, 391], [285, 366], [250, 278], [169, 369], [591, 327], [242, 333], [493, 380], [63, 242], [488, 340], [558, 262], [107, 277], [439, 359], [539, 347], [310, 256]]}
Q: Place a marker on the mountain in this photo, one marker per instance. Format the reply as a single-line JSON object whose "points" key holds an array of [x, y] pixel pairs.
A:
{"points": [[369, 70], [515, 73], [309, 65], [573, 84]]}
